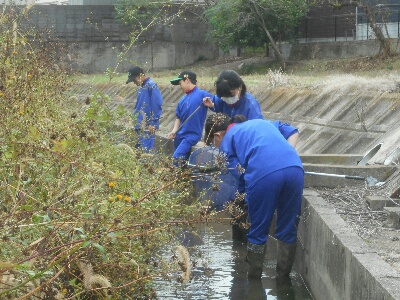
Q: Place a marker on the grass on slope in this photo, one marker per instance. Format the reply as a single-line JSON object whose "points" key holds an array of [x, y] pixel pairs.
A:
{"points": [[261, 71]]}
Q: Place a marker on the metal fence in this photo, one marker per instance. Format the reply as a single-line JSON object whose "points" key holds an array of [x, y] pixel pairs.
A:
{"points": [[347, 27]]}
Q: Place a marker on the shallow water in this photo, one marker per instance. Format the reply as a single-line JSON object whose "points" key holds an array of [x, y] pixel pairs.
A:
{"points": [[220, 271]]}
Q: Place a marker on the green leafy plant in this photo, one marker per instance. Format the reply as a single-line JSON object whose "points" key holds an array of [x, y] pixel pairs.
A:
{"points": [[84, 213]]}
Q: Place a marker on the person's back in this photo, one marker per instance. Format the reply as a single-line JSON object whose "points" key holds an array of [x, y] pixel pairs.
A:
{"points": [[148, 107], [262, 155], [260, 148]]}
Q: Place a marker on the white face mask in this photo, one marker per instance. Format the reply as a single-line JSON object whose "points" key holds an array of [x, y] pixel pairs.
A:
{"points": [[231, 100]]}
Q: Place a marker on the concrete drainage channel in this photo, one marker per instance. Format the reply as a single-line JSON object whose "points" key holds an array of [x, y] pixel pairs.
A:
{"points": [[335, 262]]}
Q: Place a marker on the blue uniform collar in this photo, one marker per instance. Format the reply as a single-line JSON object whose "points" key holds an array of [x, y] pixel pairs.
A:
{"points": [[145, 81]]}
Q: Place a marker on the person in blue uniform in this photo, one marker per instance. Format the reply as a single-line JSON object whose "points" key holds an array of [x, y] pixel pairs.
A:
{"points": [[261, 154], [232, 97], [148, 107], [190, 116]]}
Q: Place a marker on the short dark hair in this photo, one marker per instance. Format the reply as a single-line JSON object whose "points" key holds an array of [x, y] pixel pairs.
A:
{"points": [[219, 122], [228, 80]]}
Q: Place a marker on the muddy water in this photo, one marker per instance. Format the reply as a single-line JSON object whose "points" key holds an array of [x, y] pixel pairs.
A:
{"points": [[220, 271]]}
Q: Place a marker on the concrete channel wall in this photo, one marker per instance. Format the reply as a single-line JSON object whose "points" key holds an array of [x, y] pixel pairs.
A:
{"points": [[334, 261], [95, 38]]}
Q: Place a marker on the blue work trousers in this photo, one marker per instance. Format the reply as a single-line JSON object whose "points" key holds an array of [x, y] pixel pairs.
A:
{"points": [[146, 140], [282, 191], [183, 147]]}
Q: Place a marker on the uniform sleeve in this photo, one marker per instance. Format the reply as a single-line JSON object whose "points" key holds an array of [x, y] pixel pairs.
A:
{"points": [[254, 113], [254, 110], [228, 151], [218, 104], [242, 184], [156, 106], [177, 114], [285, 129], [207, 94]]}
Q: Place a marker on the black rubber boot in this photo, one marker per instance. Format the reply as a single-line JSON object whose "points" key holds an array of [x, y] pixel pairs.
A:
{"points": [[255, 258], [284, 288], [239, 233], [255, 290], [285, 258], [239, 226]]}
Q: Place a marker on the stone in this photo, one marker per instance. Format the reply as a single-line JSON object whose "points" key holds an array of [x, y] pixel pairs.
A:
{"points": [[393, 217]]}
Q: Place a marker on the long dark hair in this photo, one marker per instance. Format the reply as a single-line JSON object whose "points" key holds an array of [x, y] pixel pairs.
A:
{"points": [[219, 122], [228, 80]]}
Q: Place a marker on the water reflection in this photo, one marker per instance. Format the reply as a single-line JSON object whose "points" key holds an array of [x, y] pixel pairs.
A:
{"points": [[220, 271]]}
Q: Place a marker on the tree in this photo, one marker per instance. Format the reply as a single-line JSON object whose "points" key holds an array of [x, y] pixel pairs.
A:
{"points": [[242, 22], [233, 26], [371, 12], [282, 16]]}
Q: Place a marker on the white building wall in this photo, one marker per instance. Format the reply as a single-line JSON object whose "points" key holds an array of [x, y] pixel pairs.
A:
{"points": [[365, 32]]}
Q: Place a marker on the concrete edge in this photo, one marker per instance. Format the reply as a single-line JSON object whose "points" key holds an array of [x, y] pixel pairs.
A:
{"points": [[335, 262], [332, 159]]}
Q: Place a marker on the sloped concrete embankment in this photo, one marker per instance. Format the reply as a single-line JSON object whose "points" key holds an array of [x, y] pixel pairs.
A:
{"points": [[349, 122], [338, 128]]}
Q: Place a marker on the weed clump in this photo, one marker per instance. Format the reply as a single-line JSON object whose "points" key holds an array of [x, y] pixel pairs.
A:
{"points": [[83, 213]]}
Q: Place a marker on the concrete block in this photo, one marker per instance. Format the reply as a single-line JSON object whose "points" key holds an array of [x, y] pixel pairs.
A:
{"points": [[393, 217], [379, 202]]}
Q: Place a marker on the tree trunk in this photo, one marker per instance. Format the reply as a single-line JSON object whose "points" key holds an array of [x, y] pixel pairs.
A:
{"points": [[277, 52], [267, 48], [385, 49]]}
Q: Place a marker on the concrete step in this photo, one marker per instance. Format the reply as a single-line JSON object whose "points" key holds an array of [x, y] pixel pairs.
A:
{"points": [[331, 159], [379, 202]]}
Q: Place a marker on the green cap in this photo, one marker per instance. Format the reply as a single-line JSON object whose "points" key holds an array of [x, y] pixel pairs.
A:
{"points": [[183, 75]]}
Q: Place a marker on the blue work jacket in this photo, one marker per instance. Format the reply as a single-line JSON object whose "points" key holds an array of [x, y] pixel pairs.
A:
{"points": [[247, 106], [259, 148], [192, 122], [148, 105]]}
